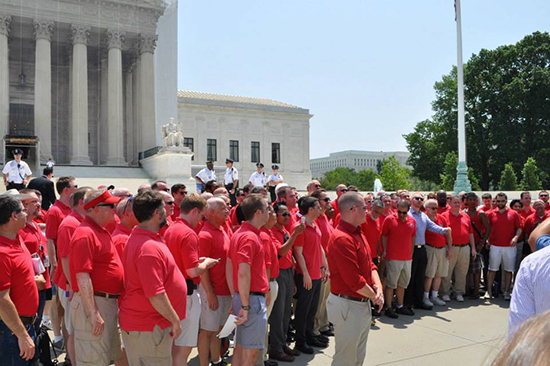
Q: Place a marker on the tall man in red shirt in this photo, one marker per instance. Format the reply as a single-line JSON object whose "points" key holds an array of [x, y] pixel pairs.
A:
{"points": [[248, 282], [355, 283], [505, 232], [97, 280], [527, 209], [183, 242], [153, 305]]}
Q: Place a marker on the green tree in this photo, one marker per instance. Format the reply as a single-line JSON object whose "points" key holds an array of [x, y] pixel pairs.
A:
{"points": [[448, 176], [508, 179], [531, 176], [365, 180], [379, 164], [339, 176], [393, 175]]}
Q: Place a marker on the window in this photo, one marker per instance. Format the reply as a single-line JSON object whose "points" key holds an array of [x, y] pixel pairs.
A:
{"points": [[276, 153], [234, 150], [211, 150], [188, 142], [255, 152]]}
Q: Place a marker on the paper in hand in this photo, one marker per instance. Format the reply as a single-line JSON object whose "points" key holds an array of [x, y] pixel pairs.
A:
{"points": [[228, 327]]}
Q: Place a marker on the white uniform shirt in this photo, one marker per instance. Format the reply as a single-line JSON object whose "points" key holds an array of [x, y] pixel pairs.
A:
{"points": [[206, 175], [50, 164], [274, 178], [231, 175], [258, 179], [17, 174]]}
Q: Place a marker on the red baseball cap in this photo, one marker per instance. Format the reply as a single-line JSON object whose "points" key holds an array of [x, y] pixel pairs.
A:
{"points": [[106, 197]]}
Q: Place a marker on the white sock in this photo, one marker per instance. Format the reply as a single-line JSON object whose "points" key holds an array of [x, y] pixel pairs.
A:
{"points": [[58, 338], [399, 306], [435, 293], [426, 295], [216, 362], [46, 317]]}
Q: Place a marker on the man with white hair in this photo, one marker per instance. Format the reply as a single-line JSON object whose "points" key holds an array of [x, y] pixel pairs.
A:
{"points": [[313, 186], [121, 192], [340, 190]]}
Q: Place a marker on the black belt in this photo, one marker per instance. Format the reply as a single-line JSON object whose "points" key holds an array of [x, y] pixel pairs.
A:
{"points": [[418, 246], [460, 245], [255, 293], [27, 320], [358, 299], [106, 295], [433, 246], [272, 279], [190, 287]]}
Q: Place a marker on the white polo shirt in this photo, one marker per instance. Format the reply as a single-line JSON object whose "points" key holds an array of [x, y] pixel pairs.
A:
{"points": [[258, 179], [16, 174], [275, 178], [231, 175], [206, 175]]}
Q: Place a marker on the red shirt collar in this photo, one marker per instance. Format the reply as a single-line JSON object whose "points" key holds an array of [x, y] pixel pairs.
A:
{"points": [[61, 205], [94, 224], [10, 242], [179, 219], [140, 231], [247, 226], [77, 216], [348, 228], [211, 226]]}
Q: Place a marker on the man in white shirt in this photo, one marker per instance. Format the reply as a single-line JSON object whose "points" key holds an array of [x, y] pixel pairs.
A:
{"points": [[231, 180], [273, 180], [258, 178], [204, 176], [16, 172]]}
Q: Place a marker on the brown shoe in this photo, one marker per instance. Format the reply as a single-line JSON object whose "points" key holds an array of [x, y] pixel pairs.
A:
{"points": [[281, 357], [291, 352]]}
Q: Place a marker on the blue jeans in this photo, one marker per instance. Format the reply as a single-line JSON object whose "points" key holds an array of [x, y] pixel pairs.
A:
{"points": [[9, 352]]}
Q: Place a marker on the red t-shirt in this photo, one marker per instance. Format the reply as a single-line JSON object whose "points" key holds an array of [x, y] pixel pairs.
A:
{"points": [[64, 236], [326, 230], [246, 247], [461, 227], [383, 217], [437, 240], [93, 252], [478, 225], [150, 270], [336, 220], [36, 243], [349, 261], [547, 206], [371, 230], [271, 248], [281, 236], [57, 212], [531, 221], [17, 275], [233, 217], [310, 241], [183, 242], [399, 234], [335, 207], [120, 238], [214, 243], [526, 214], [442, 210], [503, 227]]}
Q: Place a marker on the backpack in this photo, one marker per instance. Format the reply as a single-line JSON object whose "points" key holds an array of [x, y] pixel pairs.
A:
{"points": [[43, 343]]}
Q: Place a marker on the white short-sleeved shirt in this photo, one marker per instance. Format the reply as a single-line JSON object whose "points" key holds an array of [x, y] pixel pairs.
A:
{"points": [[206, 175], [274, 178], [50, 164], [258, 179], [17, 174], [231, 175]]}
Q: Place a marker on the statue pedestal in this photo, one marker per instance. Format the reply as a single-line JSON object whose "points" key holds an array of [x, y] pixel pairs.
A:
{"points": [[172, 164], [462, 183]]}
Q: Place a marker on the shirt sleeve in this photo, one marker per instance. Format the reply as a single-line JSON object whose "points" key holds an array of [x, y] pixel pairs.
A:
{"points": [[522, 306], [300, 239], [52, 224], [246, 251], [27, 170], [432, 226], [347, 262], [5, 272], [6, 169], [190, 252], [386, 227], [235, 174], [151, 274], [517, 221], [64, 241], [82, 255]]}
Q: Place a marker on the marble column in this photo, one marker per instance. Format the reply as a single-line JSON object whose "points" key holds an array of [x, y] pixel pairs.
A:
{"points": [[146, 103], [43, 30], [5, 21], [79, 129], [115, 137], [128, 111]]}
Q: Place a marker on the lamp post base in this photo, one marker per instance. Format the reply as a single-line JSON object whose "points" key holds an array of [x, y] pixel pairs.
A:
{"points": [[462, 183]]}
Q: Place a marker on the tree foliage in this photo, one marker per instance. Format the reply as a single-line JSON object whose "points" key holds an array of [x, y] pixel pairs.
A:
{"points": [[394, 176], [363, 180], [508, 179], [531, 176]]}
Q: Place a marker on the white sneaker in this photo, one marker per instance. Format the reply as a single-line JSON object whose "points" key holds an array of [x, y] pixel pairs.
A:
{"points": [[459, 298], [445, 298], [507, 296], [427, 302], [437, 301]]}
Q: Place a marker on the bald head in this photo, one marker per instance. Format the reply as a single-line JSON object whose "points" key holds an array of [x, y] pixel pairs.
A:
{"points": [[215, 203], [350, 199]]}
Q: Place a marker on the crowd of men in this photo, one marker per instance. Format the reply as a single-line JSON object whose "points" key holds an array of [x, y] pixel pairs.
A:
{"points": [[143, 279]]}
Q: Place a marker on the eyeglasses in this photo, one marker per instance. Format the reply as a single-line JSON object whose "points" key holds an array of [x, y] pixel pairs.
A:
{"points": [[110, 205], [402, 212], [326, 199], [182, 192], [165, 190], [418, 198], [285, 214], [170, 203], [369, 201]]}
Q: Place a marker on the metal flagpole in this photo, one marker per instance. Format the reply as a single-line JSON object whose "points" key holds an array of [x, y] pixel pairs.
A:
{"points": [[462, 183]]}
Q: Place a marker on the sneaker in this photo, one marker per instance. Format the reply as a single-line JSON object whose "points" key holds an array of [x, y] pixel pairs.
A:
{"points": [[405, 311], [59, 346], [427, 302], [221, 363], [507, 296], [437, 301], [390, 313], [459, 298], [445, 298], [488, 295]]}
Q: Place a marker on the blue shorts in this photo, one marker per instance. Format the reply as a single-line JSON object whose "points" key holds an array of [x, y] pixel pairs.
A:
{"points": [[251, 334]]}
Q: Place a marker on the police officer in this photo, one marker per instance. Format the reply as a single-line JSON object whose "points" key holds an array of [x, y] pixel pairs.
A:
{"points": [[258, 178], [231, 180], [204, 176], [16, 173], [273, 180]]}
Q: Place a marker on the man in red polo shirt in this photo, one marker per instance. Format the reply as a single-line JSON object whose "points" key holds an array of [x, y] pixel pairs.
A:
{"points": [[18, 287], [463, 247], [442, 205], [124, 228], [179, 191], [543, 196], [354, 281], [183, 243], [153, 305], [97, 281], [505, 232], [527, 209], [213, 289], [538, 216], [290, 201], [340, 190]]}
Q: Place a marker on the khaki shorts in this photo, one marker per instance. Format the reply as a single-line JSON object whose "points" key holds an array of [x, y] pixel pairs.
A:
{"points": [[149, 348], [64, 300], [213, 320], [438, 264], [398, 273], [190, 325]]}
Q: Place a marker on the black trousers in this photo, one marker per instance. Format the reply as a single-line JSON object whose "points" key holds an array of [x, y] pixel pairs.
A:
{"points": [[17, 186], [306, 308], [232, 197], [281, 312], [272, 193], [415, 292]]}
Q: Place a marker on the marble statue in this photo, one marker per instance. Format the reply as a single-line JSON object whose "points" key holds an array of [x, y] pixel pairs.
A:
{"points": [[172, 134]]}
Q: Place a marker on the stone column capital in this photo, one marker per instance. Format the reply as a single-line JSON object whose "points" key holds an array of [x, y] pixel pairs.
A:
{"points": [[80, 33], [147, 43], [5, 21], [128, 64], [114, 38], [43, 29]]}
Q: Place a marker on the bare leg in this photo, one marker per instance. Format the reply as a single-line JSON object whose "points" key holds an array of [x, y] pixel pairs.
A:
{"points": [[55, 316], [237, 359], [69, 345], [400, 295], [204, 345], [215, 347], [249, 357], [180, 355], [508, 281], [427, 284], [490, 280], [436, 283], [123, 361], [389, 297]]}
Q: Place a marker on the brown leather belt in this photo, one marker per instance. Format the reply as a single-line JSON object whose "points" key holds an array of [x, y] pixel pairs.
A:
{"points": [[106, 295], [460, 245], [358, 299], [27, 320]]}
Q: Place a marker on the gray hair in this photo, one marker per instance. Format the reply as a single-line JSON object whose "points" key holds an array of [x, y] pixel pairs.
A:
{"points": [[378, 203]]}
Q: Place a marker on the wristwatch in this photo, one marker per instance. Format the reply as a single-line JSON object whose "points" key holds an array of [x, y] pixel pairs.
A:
{"points": [[245, 307]]}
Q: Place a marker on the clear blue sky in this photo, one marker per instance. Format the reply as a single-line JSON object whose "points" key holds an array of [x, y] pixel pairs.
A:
{"points": [[365, 69]]}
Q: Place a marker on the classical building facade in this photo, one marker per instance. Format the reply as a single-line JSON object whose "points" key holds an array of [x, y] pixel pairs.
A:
{"points": [[77, 79], [354, 159], [247, 130]]}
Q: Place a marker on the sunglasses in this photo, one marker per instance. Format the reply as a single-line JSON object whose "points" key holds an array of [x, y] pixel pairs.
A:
{"points": [[343, 190], [327, 199], [543, 195], [110, 205], [402, 212], [285, 214], [418, 198], [182, 192], [171, 203], [369, 201]]}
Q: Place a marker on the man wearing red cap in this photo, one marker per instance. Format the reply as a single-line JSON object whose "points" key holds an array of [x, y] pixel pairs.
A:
{"points": [[97, 281]]}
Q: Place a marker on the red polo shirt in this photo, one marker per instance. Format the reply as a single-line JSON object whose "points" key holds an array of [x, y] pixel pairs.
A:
{"points": [[281, 236], [503, 226], [271, 248], [293, 220], [36, 243], [349, 261], [246, 247], [164, 229], [399, 234], [183, 242], [233, 217], [383, 217], [64, 236], [57, 212], [476, 219], [176, 213], [120, 238], [529, 212], [437, 240], [326, 230], [150, 270], [547, 205], [93, 252], [442, 210], [532, 220], [335, 207], [214, 243], [17, 275], [310, 241], [371, 230], [461, 227]]}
